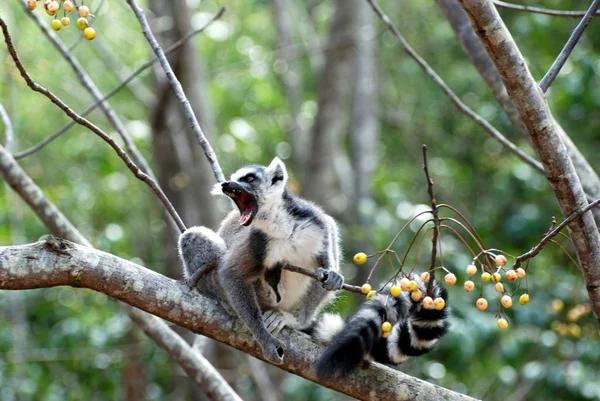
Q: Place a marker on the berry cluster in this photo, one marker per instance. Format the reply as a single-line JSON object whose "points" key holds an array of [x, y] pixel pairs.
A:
{"points": [[53, 7]]}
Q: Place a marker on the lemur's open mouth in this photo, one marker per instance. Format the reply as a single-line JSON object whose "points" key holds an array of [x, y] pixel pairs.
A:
{"points": [[244, 201]]}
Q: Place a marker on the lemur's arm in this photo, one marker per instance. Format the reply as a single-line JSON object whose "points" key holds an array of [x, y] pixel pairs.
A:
{"points": [[328, 259], [201, 250]]}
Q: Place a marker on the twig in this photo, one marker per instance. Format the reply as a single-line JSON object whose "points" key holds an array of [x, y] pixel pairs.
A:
{"points": [[436, 222], [82, 121], [88, 83], [463, 108], [566, 51], [94, 14], [117, 88], [539, 10], [552, 233], [312, 274], [189, 112], [8, 129]]}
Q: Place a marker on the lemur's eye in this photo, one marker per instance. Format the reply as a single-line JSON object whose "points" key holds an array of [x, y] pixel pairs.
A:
{"points": [[249, 178]]}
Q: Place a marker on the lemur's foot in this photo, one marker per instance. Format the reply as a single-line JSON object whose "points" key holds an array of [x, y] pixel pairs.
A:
{"points": [[193, 280], [273, 351], [274, 321], [332, 280]]}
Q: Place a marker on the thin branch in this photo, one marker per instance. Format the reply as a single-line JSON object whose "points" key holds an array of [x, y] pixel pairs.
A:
{"points": [[569, 46], [82, 121], [117, 88], [88, 83], [193, 362], [312, 274], [552, 233], [436, 222], [56, 262], [539, 10], [8, 129], [179, 93], [463, 108]]}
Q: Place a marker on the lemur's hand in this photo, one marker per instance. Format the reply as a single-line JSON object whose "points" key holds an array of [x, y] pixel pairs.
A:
{"points": [[273, 350], [274, 321], [332, 280]]}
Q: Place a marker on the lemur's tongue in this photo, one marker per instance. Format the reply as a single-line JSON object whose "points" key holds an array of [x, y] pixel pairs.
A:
{"points": [[245, 217]]}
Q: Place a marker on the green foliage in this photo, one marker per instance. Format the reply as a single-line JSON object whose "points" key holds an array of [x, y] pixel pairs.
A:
{"points": [[68, 344]]}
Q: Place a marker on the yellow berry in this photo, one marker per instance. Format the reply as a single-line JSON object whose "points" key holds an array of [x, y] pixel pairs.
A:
{"points": [[500, 260], [51, 8], [82, 23], [56, 25], [360, 258], [558, 306], [471, 270], [469, 286], [521, 272], [416, 295], [450, 279], [32, 4], [496, 278], [385, 334], [84, 11], [68, 6], [524, 299], [428, 303], [485, 277], [366, 288], [511, 275], [371, 294], [425, 277], [412, 286], [481, 304], [89, 33], [439, 303], [502, 324], [499, 287], [395, 291], [404, 283], [65, 21], [506, 301], [386, 326]]}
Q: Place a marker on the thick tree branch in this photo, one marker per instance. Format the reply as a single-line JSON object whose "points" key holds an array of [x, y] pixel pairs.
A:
{"points": [[8, 128], [569, 46], [58, 262], [461, 25], [545, 135], [198, 369], [463, 108], [177, 88]]}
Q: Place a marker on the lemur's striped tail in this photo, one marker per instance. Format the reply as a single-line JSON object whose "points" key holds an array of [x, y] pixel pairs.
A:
{"points": [[415, 331]]}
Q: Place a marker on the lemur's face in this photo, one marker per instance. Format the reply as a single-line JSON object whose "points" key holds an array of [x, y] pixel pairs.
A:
{"points": [[252, 186]]}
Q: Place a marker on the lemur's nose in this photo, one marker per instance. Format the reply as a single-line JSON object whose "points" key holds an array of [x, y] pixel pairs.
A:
{"points": [[225, 185]]}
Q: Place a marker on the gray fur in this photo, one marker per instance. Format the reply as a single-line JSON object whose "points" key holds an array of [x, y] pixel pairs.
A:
{"points": [[282, 229]]}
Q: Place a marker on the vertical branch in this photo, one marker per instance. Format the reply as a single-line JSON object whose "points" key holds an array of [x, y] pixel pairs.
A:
{"points": [[8, 129], [189, 112], [436, 222]]}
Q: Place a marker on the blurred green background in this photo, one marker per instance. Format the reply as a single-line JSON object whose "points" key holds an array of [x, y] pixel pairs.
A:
{"points": [[66, 344]]}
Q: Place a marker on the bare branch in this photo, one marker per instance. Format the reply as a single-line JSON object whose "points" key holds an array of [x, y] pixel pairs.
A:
{"points": [[539, 10], [117, 88], [208, 150], [553, 232], [8, 129], [82, 121], [463, 108], [166, 338], [88, 83], [58, 262], [347, 287], [546, 139], [191, 360], [569, 46]]}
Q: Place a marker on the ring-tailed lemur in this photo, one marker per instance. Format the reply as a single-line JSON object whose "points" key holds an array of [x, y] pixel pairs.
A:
{"points": [[271, 228], [415, 331]]}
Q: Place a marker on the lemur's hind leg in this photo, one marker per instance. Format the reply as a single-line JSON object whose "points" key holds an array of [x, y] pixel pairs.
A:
{"points": [[201, 250]]}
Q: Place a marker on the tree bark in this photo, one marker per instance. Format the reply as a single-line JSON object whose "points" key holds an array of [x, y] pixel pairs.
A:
{"points": [[57, 262], [545, 135]]}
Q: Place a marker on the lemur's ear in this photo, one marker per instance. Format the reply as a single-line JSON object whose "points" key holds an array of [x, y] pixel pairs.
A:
{"points": [[276, 172]]}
